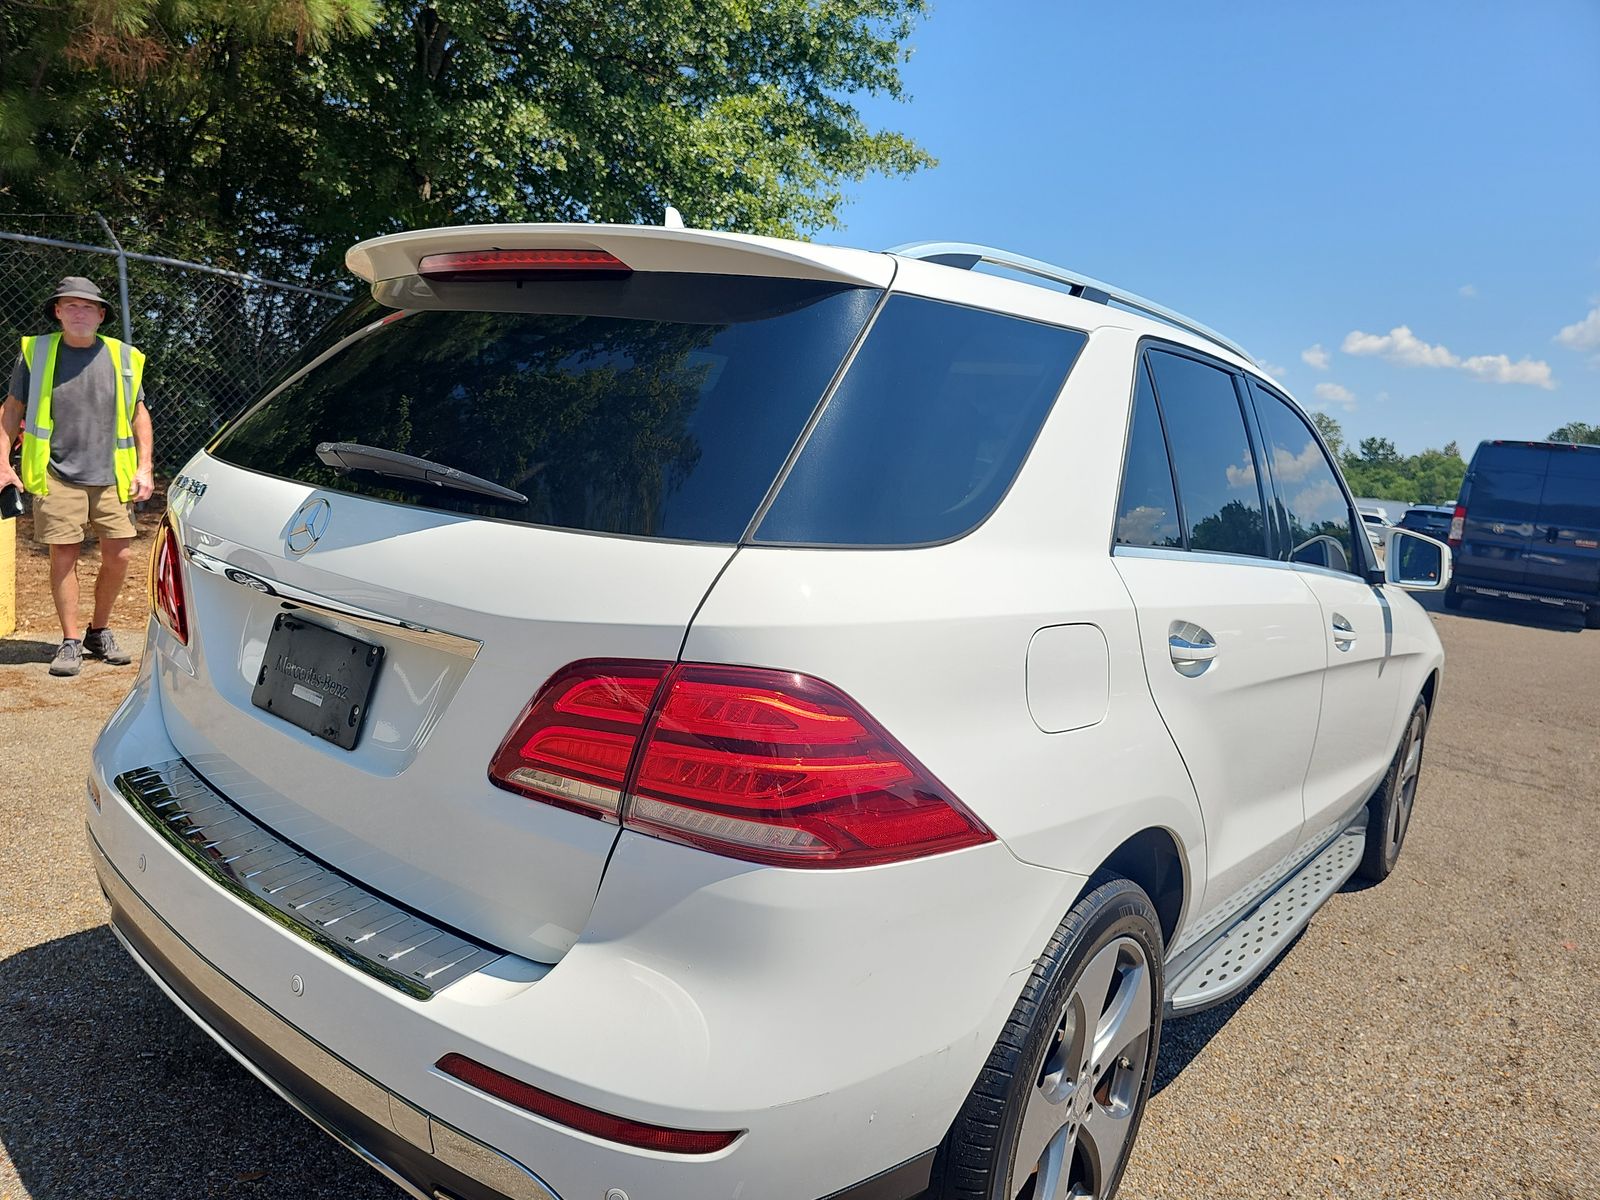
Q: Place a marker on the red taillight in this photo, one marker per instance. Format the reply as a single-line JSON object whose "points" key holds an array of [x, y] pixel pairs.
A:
{"points": [[573, 743], [767, 766], [1458, 525], [580, 1117], [166, 582], [511, 263]]}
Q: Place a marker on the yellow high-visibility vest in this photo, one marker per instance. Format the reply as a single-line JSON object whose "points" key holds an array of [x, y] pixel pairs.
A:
{"points": [[39, 353]]}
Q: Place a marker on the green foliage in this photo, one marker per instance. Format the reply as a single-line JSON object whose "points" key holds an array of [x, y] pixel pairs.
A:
{"points": [[1577, 431], [1377, 469], [1330, 429], [273, 133]]}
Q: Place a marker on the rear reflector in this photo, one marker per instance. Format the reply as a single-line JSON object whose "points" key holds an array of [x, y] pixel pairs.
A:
{"points": [[1458, 525], [477, 264], [577, 1116], [167, 598], [767, 766]]}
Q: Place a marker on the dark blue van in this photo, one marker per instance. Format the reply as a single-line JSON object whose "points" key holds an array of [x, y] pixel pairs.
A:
{"points": [[1527, 526]]}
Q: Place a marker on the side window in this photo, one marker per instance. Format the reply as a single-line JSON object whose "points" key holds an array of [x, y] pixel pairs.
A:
{"points": [[1147, 514], [1313, 513], [1211, 455]]}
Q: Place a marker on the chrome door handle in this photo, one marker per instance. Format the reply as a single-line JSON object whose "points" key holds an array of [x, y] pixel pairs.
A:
{"points": [[1185, 651], [1344, 634], [1191, 647]]}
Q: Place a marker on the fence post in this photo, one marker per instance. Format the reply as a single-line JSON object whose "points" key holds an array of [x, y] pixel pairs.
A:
{"points": [[122, 288]]}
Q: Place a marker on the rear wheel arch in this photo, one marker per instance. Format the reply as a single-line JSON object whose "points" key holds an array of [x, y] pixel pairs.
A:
{"points": [[1153, 859]]}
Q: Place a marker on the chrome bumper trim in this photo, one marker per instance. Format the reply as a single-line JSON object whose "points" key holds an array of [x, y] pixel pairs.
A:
{"points": [[342, 918], [147, 937]]}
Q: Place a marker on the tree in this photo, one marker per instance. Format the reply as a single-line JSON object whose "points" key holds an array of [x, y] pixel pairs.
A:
{"points": [[1576, 431], [1332, 432], [273, 133]]}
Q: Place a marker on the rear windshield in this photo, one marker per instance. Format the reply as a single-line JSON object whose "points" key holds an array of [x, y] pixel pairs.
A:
{"points": [[656, 406], [666, 406]]}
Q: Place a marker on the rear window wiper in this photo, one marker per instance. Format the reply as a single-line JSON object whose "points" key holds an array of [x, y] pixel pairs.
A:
{"points": [[352, 456]]}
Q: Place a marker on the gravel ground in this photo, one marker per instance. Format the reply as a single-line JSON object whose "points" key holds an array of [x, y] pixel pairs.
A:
{"points": [[1435, 1036]]}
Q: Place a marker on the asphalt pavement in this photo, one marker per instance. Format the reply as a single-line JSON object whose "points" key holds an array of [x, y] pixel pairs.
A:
{"points": [[1437, 1035]]}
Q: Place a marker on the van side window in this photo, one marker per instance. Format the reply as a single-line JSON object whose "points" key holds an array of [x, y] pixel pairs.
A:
{"points": [[1215, 465], [1147, 514], [1312, 509]]}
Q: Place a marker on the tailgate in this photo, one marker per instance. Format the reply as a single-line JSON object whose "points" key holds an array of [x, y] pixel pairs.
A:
{"points": [[409, 810]]}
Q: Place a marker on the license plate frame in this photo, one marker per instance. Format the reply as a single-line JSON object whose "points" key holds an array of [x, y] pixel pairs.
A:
{"points": [[317, 679]]}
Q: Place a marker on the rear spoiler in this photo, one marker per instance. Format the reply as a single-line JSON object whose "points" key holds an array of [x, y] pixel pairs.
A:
{"points": [[641, 247]]}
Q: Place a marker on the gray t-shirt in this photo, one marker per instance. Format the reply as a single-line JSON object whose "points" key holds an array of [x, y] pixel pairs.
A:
{"points": [[83, 412]]}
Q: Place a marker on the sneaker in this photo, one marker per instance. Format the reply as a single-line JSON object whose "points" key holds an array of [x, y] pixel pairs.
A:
{"points": [[68, 659], [102, 644]]}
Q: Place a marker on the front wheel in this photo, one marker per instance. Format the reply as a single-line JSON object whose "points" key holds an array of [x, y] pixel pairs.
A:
{"points": [[1452, 598], [1056, 1109], [1389, 810]]}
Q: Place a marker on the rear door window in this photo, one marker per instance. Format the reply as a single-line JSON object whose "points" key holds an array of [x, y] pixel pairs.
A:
{"points": [[1218, 484], [658, 405], [927, 429]]}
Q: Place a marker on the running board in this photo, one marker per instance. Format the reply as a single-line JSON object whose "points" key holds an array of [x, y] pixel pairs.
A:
{"points": [[1252, 944]]}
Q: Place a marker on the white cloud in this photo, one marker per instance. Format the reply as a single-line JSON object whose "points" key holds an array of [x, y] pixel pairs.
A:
{"points": [[1242, 476], [1291, 468], [1497, 368], [1402, 346], [1315, 357], [1272, 369], [1584, 335], [1468, 292], [1333, 393]]}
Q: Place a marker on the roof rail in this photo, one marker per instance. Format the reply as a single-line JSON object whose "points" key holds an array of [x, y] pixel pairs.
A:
{"points": [[966, 255]]}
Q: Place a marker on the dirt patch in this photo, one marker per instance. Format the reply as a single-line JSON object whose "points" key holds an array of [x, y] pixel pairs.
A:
{"points": [[25, 679]]}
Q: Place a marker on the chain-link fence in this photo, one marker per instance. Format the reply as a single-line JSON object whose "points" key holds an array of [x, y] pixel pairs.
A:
{"points": [[213, 338]]}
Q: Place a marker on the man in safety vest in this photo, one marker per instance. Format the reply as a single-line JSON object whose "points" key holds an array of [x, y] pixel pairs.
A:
{"points": [[77, 399]]}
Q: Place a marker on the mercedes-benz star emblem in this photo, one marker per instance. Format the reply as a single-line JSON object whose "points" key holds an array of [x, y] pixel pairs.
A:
{"points": [[308, 525]]}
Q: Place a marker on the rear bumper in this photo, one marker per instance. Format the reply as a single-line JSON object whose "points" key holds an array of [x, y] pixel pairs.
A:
{"points": [[421, 1154], [839, 1022]]}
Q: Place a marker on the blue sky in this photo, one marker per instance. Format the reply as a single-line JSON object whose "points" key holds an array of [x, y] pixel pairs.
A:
{"points": [[1415, 189]]}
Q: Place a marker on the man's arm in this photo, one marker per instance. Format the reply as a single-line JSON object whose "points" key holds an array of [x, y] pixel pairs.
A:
{"points": [[10, 428], [144, 481]]}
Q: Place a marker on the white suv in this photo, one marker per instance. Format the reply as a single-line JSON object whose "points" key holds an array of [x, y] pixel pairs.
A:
{"points": [[645, 713]]}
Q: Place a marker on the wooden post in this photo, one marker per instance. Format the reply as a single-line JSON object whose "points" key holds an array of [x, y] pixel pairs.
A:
{"points": [[8, 578]]}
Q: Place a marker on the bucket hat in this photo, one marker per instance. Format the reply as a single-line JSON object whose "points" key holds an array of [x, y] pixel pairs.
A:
{"points": [[76, 287]]}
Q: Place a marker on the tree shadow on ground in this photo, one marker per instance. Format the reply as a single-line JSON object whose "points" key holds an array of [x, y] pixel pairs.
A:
{"points": [[25, 650], [111, 1094]]}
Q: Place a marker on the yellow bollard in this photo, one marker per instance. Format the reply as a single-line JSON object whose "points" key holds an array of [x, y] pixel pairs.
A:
{"points": [[8, 578]]}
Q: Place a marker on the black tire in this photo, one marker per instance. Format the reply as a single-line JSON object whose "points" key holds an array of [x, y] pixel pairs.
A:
{"points": [[1114, 920], [1390, 809], [1591, 619], [1452, 598]]}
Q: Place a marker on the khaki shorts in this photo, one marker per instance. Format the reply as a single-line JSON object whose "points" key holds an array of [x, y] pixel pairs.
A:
{"points": [[59, 517]]}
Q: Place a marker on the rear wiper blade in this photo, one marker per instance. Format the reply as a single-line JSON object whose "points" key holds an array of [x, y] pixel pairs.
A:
{"points": [[353, 456]]}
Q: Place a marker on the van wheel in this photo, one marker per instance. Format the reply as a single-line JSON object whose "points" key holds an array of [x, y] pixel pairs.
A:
{"points": [[1591, 619], [1057, 1107], [1452, 598], [1389, 810]]}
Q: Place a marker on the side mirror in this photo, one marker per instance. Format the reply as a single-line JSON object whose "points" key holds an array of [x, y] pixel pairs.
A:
{"points": [[1417, 563]]}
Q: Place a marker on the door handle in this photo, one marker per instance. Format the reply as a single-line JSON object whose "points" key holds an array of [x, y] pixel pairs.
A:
{"points": [[1190, 647], [1344, 634]]}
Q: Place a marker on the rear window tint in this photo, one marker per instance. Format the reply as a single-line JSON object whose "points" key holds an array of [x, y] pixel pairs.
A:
{"points": [[655, 406], [926, 431]]}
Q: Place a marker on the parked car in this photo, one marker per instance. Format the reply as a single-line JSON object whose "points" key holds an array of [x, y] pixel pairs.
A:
{"points": [[1527, 527], [1376, 521], [655, 713], [1431, 520]]}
